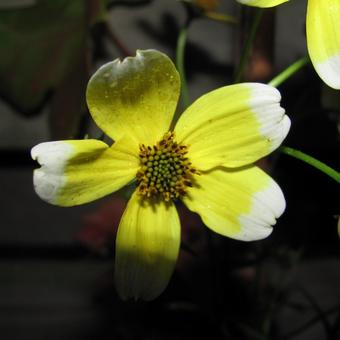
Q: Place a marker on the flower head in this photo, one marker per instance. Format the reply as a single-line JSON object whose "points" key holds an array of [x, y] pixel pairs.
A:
{"points": [[206, 161], [323, 36]]}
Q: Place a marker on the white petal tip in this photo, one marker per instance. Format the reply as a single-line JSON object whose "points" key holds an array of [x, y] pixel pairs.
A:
{"points": [[45, 186], [274, 123], [48, 179], [267, 206], [286, 123], [264, 90], [253, 232], [329, 71]]}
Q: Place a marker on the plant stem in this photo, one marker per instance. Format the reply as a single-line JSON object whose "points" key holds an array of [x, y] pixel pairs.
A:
{"points": [[180, 53], [289, 71], [248, 46], [311, 161]]}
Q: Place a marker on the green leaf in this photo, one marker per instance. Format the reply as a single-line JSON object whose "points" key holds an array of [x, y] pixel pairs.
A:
{"points": [[39, 46]]}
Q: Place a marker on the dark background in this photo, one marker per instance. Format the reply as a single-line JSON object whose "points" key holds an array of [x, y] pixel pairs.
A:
{"points": [[56, 264]]}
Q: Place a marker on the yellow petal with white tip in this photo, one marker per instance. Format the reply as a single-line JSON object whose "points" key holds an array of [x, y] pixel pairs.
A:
{"points": [[239, 203], [323, 39], [74, 172], [233, 126], [262, 3], [147, 247], [137, 96]]}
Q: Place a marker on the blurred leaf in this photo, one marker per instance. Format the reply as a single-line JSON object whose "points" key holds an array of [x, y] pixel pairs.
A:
{"points": [[68, 103], [40, 45]]}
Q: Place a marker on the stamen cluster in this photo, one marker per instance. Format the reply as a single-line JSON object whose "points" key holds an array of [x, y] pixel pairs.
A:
{"points": [[165, 170]]}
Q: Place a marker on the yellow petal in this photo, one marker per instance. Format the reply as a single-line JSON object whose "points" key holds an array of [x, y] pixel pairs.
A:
{"points": [[262, 3], [233, 126], [239, 203], [136, 96], [147, 247], [79, 171], [323, 39]]}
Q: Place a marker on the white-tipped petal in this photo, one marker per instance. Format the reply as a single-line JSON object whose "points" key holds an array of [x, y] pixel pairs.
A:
{"points": [[79, 171], [233, 126], [239, 203], [329, 71], [323, 39], [270, 204]]}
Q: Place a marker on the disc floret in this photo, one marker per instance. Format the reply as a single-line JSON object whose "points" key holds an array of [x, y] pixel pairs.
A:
{"points": [[165, 170]]}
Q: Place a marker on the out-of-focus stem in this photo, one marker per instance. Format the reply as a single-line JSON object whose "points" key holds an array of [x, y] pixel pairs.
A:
{"points": [[248, 46], [289, 71]]}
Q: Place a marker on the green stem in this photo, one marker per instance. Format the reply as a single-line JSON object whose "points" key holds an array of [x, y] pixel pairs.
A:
{"points": [[248, 46], [289, 71], [180, 49], [311, 161]]}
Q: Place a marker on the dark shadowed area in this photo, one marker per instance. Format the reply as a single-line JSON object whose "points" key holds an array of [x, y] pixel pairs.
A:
{"points": [[57, 264]]}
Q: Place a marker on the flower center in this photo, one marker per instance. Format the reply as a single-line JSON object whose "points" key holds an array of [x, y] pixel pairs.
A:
{"points": [[165, 170]]}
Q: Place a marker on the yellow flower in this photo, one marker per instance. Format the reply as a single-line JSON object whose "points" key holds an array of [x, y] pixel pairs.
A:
{"points": [[206, 161], [323, 36]]}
